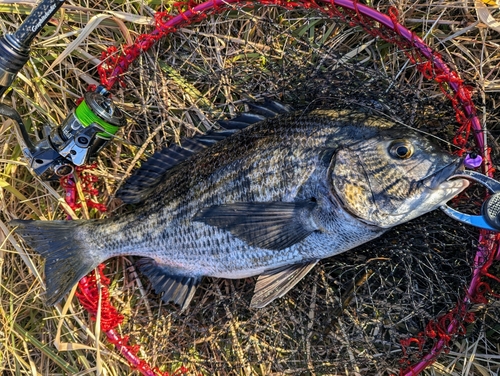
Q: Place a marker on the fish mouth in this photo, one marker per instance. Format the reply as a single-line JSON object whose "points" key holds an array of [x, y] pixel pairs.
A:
{"points": [[453, 187], [435, 190], [446, 183], [441, 178]]}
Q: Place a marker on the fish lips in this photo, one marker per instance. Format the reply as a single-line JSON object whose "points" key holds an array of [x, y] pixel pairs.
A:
{"points": [[432, 192], [443, 176]]}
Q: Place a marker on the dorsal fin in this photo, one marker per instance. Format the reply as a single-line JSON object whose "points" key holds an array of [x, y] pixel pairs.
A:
{"points": [[257, 112], [269, 108], [145, 179]]}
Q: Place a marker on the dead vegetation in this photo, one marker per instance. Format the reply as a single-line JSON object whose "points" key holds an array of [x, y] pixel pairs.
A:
{"points": [[349, 315]]}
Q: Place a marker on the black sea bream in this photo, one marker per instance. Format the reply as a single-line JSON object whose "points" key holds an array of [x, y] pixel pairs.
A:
{"points": [[270, 199]]}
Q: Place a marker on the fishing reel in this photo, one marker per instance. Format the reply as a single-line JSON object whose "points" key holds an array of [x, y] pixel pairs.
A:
{"points": [[82, 134], [75, 142]]}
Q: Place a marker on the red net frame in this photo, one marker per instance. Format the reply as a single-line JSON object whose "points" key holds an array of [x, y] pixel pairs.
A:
{"points": [[385, 26]]}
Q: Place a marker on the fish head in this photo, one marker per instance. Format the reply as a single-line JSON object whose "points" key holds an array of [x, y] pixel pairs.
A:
{"points": [[394, 177]]}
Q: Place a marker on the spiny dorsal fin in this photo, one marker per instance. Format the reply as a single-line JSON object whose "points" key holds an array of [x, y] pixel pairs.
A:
{"points": [[269, 108], [145, 179]]}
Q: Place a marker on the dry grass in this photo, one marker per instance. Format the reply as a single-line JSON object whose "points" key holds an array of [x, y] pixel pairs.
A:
{"points": [[348, 315]]}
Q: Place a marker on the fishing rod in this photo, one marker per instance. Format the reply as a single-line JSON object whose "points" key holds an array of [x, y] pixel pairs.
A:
{"points": [[15, 47], [80, 137]]}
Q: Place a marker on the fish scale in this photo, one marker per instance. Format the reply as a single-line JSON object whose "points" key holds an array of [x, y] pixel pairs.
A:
{"points": [[269, 199]]}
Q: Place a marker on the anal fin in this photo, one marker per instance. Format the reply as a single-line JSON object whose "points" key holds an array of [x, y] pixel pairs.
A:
{"points": [[275, 283], [178, 289]]}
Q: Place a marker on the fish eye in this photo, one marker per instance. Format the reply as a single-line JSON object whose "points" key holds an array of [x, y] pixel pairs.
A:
{"points": [[401, 149]]}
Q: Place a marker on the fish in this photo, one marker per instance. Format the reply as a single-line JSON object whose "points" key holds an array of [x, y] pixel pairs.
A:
{"points": [[269, 194]]}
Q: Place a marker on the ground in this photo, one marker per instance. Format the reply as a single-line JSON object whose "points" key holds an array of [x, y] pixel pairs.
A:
{"points": [[350, 314]]}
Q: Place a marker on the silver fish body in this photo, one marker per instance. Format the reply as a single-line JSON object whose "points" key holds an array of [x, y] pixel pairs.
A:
{"points": [[270, 199]]}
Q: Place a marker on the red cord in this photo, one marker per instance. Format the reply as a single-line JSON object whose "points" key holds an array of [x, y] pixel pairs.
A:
{"points": [[90, 291], [87, 182]]}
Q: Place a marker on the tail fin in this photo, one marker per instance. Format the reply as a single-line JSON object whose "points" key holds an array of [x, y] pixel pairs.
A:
{"points": [[67, 257]]}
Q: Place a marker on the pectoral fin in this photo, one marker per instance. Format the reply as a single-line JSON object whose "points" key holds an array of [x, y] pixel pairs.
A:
{"points": [[175, 288], [277, 282], [269, 225]]}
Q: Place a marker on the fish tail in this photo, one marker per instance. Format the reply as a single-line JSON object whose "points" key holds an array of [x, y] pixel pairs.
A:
{"points": [[68, 257]]}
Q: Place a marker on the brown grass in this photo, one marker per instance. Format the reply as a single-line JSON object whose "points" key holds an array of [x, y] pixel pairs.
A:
{"points": [[348, 315]]}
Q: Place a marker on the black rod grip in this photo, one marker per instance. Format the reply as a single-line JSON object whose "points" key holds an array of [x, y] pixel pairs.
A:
{"points": [[12, 59]]}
